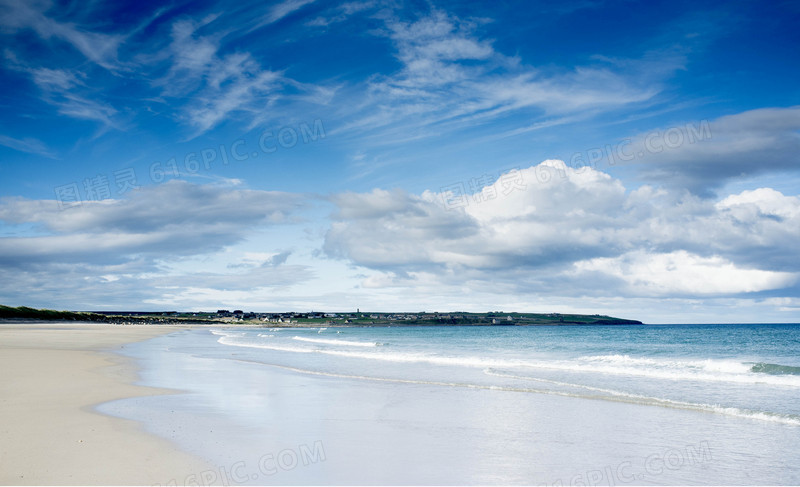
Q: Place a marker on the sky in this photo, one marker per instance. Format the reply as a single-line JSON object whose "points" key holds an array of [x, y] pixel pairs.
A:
{"points": [[635, 159]]}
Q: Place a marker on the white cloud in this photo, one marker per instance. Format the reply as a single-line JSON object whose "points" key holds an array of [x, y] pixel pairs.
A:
{"points": [[535, 239], [68, 91], [28, 144], [188, 63], [221, 85], [749, 205], [556, 240], [451, 78], [173, 219], [98, 47], [340, 13], [682, 273], [283, 9], [158, 241], [702, 155], [54, 79]]}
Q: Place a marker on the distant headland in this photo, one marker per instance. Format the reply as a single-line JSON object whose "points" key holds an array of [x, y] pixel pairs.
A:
{"points": [[313, 318]]}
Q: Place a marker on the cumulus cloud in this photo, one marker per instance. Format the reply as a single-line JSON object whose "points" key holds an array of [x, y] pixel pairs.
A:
{"points": [[551, 220], [567, 227]]}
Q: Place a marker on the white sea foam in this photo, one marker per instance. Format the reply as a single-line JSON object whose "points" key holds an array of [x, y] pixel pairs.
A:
{"points": [[726, 366], [348, 343], [609, 394], [228, 333], [706, 370], [709, 370], [398, 357], [646, 367], [664, 402], [227, 340]]}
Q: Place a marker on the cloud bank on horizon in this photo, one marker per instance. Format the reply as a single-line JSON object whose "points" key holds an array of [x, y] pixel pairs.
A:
{"points": [[594, 157]]}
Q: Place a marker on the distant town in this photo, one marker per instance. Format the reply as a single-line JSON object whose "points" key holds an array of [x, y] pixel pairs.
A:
{"points": [[315, 318]]}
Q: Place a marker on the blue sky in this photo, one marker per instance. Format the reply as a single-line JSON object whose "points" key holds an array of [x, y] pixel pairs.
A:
{"points": [[639, 159]]}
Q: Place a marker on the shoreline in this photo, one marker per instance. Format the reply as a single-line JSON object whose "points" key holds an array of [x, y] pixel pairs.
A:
{"points": [[333, 324], [55, 374]]}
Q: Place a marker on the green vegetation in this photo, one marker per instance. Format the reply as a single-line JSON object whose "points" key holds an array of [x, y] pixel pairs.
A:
{"points": [[26, 313], [466, 319], [47, 314]]}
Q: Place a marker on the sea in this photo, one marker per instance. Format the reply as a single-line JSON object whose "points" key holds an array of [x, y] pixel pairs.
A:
{"points": [[477, 405]]}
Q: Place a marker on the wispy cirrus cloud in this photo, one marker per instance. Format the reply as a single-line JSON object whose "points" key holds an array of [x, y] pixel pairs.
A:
{"points": [[71, 95], [220, 85], [451, 78], [281, 10], [29, 145], [199, 81], [67, 90], [100, 48], [340, 13]]}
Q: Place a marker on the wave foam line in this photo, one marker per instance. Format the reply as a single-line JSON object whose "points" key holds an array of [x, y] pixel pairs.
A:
{"points": [[713, 371], [331, 341], [631, 398]]}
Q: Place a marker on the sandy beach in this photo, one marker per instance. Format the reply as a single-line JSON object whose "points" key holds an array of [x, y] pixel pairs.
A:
{"points": [[52, 377]]}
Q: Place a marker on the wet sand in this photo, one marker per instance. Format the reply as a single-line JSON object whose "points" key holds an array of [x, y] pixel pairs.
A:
{"points": [[51, 377]]}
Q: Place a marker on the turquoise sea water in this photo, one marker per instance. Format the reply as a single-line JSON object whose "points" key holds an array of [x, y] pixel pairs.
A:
{"points": [[599, 405]]}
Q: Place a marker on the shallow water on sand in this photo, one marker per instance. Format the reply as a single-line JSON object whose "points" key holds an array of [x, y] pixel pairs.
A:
{"points": [[607, 405]]}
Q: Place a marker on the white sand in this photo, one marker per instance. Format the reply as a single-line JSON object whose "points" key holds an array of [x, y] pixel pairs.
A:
{"points": [[51, 376]]}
